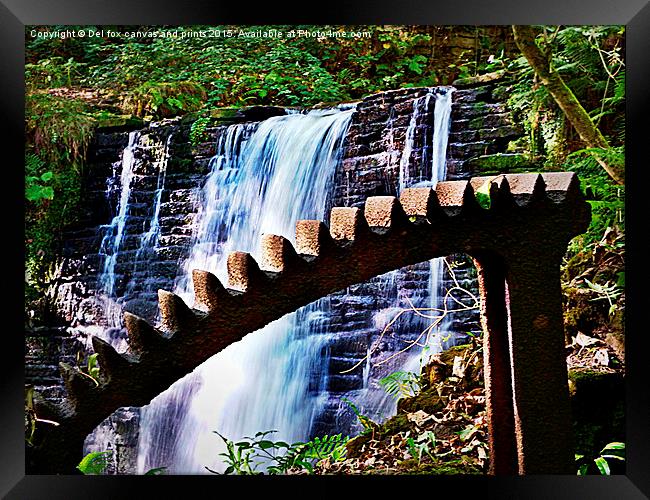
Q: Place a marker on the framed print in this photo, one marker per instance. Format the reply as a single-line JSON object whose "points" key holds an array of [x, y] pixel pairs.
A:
{"points": [[380, 248]]}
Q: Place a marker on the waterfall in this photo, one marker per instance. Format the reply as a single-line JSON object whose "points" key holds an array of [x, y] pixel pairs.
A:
{"points": [[116, 237], [376, 403], [420, 105], [114, 232], [134, 259], [264, 178]]}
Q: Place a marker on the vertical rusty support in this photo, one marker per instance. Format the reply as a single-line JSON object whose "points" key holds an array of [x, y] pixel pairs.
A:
{"points": [[496, 365], [541, 396]]}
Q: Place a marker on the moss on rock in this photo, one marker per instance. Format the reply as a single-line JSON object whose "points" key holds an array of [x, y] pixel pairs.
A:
{"points": [[500, 163], [112, 122], [438, 468]]}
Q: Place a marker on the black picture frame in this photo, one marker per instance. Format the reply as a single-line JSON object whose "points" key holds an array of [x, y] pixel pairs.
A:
{"points": [[15, 14]]}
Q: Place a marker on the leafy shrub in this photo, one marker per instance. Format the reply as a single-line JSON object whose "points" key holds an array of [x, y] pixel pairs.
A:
{"points": [[94, 463], [252, 454], [164, 99]]}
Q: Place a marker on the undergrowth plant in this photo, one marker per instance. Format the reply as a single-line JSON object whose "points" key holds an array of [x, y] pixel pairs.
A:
{"points": [[612, 451], [259, 455], [401, 384], [96, 462]]}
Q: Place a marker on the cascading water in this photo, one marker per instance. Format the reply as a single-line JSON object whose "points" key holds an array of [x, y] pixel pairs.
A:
{"points": [[114, 232], [119, 254], [262, 181], [375, 402], [264, 177], [112, 247]]}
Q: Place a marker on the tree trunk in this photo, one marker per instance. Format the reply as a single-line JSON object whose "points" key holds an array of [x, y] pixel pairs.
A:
{"points": [[564, 97]]}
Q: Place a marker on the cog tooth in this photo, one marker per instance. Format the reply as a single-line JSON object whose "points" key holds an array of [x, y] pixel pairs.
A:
{"points": [[312, 237], [174, 313], [142, 335], [243, 272], [526, 188], [456, 196], [110, 361], [76, 384], [277, 253], [209, 292], [420, 204], [561, 186], [384, 212], [346, 223]]}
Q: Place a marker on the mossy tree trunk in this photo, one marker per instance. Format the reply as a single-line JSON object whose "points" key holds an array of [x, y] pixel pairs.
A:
{"points": [[540, 61]]}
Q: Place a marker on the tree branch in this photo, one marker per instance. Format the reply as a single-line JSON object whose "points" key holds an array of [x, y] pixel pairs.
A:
{"points": [[541, 63]]}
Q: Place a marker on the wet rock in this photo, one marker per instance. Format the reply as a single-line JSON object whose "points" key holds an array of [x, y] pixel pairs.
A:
{"points": [[259, 113]]}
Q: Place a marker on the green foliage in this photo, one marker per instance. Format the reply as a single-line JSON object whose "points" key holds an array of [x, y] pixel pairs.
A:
{"points": [[30, 414], [164, 99], [54, 72], [37, 187], [483, 195], [607, 199], [234, 70], [158, 471], [58, 131], [401, 384], [92, 368], [197, 130], [422, 444], [95, 462], [368, 425], [590, 61], [258, 454], [612, 451], [58, 128]]}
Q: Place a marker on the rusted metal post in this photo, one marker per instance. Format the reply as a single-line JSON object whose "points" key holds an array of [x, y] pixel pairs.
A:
{"points": [[541, 396], [496, 365]]}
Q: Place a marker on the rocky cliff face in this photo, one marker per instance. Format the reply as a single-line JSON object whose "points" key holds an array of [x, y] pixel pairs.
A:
{"points": [[481, 129]]}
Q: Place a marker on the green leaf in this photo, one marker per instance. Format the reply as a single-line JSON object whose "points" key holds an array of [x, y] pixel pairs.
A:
{"points": [[94, 463], [466, 432], [265, 445], [602, 465], [620, 281], [613, 446], [582, 470], [617, 457], [47, 176]]}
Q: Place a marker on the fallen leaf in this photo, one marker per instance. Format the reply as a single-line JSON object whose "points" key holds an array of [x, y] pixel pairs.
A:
{"points": [[583, 340], [419, 417], [459, 367]]}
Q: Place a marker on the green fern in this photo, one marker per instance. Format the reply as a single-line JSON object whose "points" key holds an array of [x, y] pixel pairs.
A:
{"points": [[400, 384], [94, 463], [366, 422], [251, 454]]}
